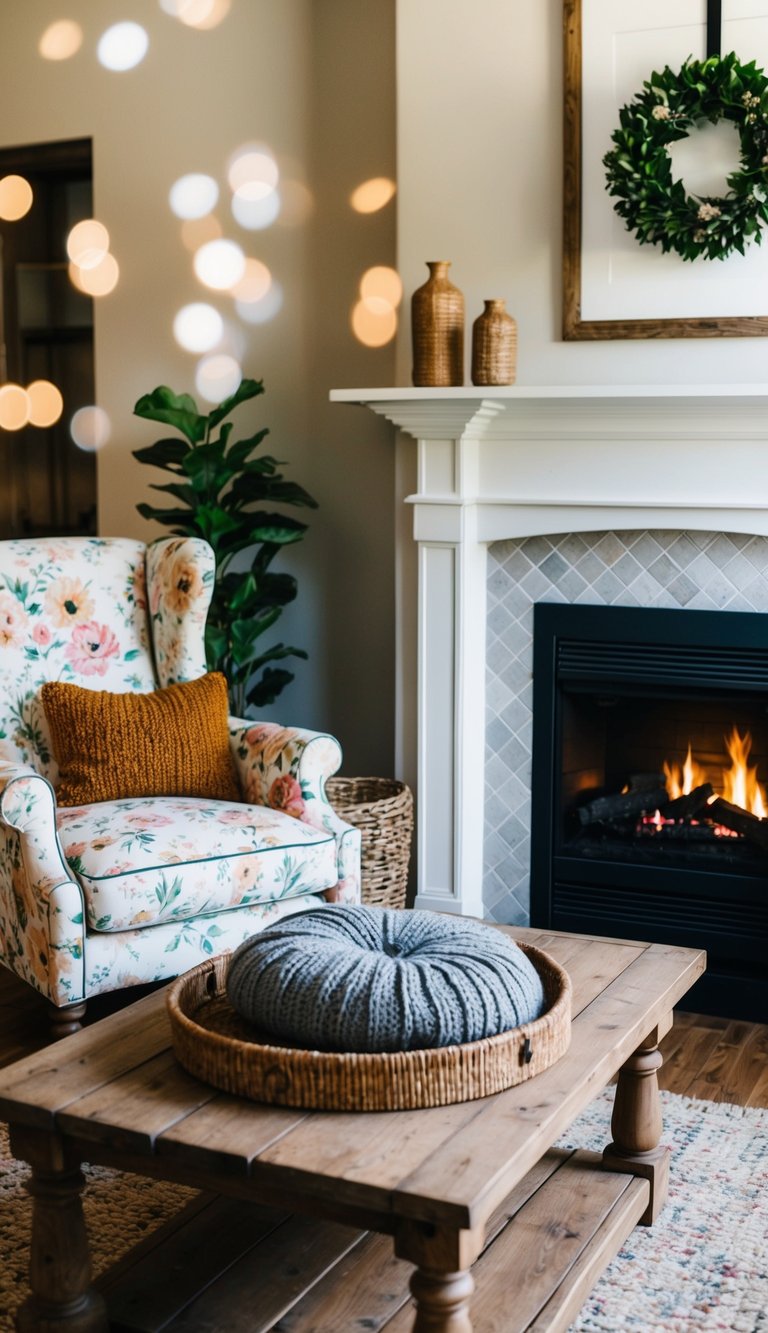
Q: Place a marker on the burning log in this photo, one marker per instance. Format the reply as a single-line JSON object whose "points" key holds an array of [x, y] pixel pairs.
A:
{"points": [[739, 821], [688, 807], [624, 805]]}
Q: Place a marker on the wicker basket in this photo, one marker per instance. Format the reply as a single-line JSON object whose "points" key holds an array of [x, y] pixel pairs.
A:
{"points": [[382, 808], [216, 1045]]}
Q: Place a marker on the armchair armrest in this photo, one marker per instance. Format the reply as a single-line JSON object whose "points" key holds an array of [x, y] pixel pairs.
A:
{"points": [[286, 768], [43, 900], [28, 805]]}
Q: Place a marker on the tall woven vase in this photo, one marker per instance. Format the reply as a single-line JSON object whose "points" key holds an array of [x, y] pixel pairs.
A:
{"points": [[494, 345], [437, 320]]}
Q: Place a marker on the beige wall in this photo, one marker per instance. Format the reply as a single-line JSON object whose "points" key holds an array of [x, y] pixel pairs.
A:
{"points": [[479, 170], [313, 79]]}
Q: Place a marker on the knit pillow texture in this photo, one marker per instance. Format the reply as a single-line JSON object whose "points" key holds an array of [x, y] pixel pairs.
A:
{"points": [[173, 742], [373, 979]]}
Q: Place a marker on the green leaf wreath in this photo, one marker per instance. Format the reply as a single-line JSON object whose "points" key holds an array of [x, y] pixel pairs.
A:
{"points": [[656, 207]]}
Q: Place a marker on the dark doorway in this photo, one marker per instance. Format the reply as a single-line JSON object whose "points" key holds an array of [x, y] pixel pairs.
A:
{"points": [[46, 333]]}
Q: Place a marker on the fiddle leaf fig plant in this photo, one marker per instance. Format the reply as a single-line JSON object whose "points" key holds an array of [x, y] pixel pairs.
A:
{"points": [[223, 490]]}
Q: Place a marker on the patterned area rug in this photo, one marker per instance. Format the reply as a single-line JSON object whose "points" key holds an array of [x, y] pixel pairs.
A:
{"points": [[704, 1263], [120, 1210], [703, 1266]]}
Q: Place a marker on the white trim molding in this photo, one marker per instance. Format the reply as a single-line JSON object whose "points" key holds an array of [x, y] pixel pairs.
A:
{"points": [[495, 464]]}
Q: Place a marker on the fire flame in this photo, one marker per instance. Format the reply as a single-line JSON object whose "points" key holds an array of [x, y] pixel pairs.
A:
{"points": [[681, 781], [739, 783]]}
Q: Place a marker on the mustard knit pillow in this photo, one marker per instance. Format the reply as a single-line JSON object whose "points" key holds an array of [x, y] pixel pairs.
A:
{"points": [[174, 742]]}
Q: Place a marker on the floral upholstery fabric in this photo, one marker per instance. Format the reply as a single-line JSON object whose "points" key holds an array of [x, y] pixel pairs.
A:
{"points": [[286, 768], [69, 610], [140, 863], [134, 956], [180, 574], [113, 614]]}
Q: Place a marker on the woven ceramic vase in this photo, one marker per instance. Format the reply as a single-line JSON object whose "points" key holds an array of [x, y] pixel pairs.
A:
{"points": [[437, 322], [494, 345]]}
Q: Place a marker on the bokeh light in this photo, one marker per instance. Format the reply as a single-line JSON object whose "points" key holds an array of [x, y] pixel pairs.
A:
{"points": [[61, 40], [99, 280], [45, 403], [197, 231], [15, 198], [87, 243], [255, 282], [260, 312], [123, 46], [201, 14], [382, 283], [373, 194], [14, 407], [90, 428], [254, 170], [198, 327], [217, 377], [219, 264], [194, 195], [255, 214], [374, 321]]}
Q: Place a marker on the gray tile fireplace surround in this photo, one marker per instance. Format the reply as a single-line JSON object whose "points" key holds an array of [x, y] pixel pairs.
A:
{"points": [[689, 570]]}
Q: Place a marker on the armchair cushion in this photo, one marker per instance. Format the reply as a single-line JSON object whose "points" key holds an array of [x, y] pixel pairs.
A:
{"points": [[172, 742], [141, 863]]}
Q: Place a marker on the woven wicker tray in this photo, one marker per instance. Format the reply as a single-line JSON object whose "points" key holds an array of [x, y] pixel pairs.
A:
{"points": [[215, 1044]]}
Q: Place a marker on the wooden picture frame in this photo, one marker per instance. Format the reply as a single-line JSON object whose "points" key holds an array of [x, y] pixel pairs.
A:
{"points": [[574, 327]]}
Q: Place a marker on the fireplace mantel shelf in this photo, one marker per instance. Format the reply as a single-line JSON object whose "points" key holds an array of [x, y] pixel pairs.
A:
{"points": [[505, 463], [514, 392]]}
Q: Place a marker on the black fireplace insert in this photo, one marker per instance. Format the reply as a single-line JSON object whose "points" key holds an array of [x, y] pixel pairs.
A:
{"points": [[649, 805]]}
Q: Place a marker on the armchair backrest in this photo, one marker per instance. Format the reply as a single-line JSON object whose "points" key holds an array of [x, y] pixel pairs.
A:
{"points": [[84, 610]]}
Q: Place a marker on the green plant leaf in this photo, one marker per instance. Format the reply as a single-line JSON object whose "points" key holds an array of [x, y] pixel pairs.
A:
{"points": [[168, 453], [206, 468], [213, 522], [276, 653], [277, 529], [266, 690], [246, 389], [215, 645], [179, 410], [276, 589], [170, 517], [239, 453], [252, 489], [244, 633], [177, 489], [245, 592]]}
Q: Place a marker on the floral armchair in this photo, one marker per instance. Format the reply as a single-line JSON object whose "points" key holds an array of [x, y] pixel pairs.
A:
{"points": [[117, 893]]}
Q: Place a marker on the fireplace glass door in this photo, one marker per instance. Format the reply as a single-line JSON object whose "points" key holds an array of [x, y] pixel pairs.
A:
{"points": [[650, 810]]}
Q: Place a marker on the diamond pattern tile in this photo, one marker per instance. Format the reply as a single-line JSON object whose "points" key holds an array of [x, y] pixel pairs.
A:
{"points": [[695, 570]]}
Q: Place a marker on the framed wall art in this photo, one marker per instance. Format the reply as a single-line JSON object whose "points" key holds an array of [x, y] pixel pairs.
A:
{"points": [[614, 286]]}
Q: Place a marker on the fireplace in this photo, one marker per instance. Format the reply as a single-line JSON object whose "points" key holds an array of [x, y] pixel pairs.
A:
{"points": [[650, 751]]}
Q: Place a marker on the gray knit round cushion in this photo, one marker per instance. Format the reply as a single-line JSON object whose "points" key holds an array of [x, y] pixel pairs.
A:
{"points": [[372, 979]]}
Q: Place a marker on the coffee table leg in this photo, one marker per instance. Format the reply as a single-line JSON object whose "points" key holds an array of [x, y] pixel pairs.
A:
{"points": [[636, 1122], [62, 1299], [442, 1285]]}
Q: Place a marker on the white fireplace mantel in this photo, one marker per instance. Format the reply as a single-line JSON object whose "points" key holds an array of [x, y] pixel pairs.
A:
{"points": [[500, 463]]}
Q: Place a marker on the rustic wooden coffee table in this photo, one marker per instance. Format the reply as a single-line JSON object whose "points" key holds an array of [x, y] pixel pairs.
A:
{"points": [[478, 1181]]}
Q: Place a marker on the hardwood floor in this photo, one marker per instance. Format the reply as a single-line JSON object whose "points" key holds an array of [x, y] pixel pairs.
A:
{"points": [[718, 1059]]}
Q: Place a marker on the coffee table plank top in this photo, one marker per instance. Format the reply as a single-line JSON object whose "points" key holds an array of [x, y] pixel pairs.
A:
{"points": [[49, 1080], [470, 1174], [117, 1084]]}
